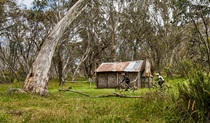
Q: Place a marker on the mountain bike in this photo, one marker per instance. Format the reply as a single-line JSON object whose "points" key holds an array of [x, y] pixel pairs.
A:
{"points": [[155, 86], [122, 87]]}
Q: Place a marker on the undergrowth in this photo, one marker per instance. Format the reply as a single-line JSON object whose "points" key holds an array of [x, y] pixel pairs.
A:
{"points": [[70, 107], [193, 104]]}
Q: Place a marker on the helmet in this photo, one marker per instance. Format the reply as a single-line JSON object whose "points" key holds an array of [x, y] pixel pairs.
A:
{"points": [[157, 74]]}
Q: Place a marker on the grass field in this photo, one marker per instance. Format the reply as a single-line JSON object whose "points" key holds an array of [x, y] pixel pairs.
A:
{"points": [[71, 107]]}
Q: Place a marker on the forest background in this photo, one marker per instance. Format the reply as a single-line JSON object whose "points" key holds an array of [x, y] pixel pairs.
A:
{"points": [[173, 35]]}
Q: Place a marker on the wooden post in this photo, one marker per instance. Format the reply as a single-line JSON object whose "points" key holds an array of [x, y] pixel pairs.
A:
{"points": [[139, 80], [117, 78], [90, 81]]}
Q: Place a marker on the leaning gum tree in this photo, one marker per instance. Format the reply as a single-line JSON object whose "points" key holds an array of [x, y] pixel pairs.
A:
{"points": [[37, 78]]}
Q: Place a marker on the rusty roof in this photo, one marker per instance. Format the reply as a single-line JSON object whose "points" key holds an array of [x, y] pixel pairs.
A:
{"points": [[129, 66]]}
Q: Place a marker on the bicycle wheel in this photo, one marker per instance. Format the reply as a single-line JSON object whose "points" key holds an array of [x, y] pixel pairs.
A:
{"points": [[165, 88], [153, 87], [133, 89], [119, 88]]}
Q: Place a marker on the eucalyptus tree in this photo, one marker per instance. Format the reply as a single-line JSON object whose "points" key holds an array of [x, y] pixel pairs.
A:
{"points": [[55, 11], [37, 79], [22, 38], [51, 12], [111, 13], [10, 39], [165, 40], [134, 29], [195, 15], [93, 32]]}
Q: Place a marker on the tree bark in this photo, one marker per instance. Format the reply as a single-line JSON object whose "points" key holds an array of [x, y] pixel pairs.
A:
{"points": [[37, 78], [84, 57]]}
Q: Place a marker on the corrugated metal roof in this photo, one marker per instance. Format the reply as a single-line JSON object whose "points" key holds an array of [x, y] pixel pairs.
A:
{"points": [[129, 66]]}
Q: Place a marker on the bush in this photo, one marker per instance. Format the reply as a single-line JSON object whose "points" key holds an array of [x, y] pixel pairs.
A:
{"points": [[185, 67], [194, 98]]}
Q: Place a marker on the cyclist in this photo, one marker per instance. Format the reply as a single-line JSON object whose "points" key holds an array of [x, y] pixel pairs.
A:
{"points": [[126, 80], [160, 79]]}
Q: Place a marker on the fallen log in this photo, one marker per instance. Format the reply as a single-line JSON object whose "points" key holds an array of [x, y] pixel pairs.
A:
{"points": [[16, 112], [125, 96], [102, 96], [74, 92], [63, 89], [109, 95], [118, 95], [15, 90]]}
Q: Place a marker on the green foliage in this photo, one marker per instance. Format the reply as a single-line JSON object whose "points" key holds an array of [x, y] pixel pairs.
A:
{"points": [[194, 98], [7, 76], [154, 107], [39, 5], [185, 67], [21, 74], [73, 107]]}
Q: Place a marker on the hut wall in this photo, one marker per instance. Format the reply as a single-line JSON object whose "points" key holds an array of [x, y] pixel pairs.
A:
{"points": [[132, 76], [106, 80], [112, 80], [102, 80]]}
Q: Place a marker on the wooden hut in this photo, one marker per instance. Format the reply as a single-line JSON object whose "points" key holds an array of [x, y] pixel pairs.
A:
{"points": [[108, 75]]}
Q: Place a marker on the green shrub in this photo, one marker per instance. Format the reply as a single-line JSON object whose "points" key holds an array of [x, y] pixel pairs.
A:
{"points": [[194, 98], [185, 67]]}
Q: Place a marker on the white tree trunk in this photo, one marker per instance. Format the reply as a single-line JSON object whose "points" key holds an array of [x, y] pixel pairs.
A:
{"points": [[37, 78], [84, 57]]}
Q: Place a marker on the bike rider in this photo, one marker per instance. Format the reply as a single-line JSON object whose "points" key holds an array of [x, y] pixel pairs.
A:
{"points": [[160, 79], [126, 80]]}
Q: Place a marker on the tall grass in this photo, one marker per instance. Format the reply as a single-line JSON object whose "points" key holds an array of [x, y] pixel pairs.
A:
{"points": [[69, 107], [194, 99]]}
